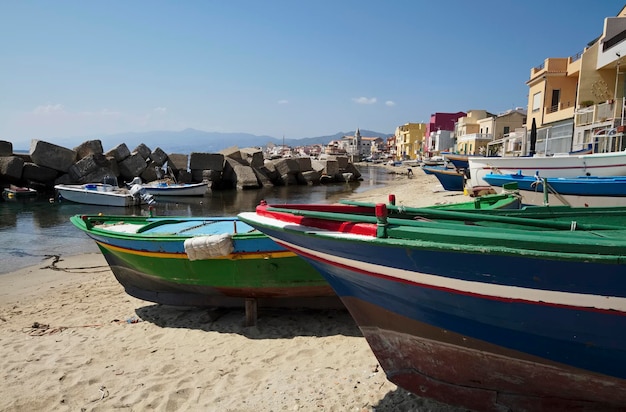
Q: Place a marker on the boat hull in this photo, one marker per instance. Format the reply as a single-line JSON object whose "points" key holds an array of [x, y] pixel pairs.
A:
{"points": [[576, 192], [474, 329], [450, 179], [596, 164], [191, 189], [153, 265], [95, 196]]}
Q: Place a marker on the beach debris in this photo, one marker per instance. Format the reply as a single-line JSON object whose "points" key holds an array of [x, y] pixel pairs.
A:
{"points": [[40, 329], [104, 392]]}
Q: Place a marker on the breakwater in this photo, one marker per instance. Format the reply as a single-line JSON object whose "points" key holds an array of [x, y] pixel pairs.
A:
{"points": [[47, 164]]}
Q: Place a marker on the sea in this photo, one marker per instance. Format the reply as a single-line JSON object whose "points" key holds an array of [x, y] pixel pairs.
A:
{"points": [[33, 231]]}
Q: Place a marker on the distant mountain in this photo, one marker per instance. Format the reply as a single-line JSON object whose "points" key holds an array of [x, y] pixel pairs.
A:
{"points": [[192, 140]]}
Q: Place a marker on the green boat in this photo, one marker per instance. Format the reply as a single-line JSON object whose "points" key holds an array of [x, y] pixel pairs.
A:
{"points": [[217, 261], [204, 261]]}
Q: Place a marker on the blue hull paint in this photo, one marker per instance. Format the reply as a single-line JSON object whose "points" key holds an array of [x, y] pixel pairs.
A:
{"points": [[450, 179], [581, 186], [170, 237], [588, 339]]}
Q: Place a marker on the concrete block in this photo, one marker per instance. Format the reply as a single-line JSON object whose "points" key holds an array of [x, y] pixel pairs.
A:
{"points": [[252, 156], [132, 166], [286, 166], [6, 148], [206, 161], [11, 168], [158, 156], [232, 152], [143, 150], [32, 171], [178, 161], [52, 156], [304, 163], [119, 152], [87, 148]]}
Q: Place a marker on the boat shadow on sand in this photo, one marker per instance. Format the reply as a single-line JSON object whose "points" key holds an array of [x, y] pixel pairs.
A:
{"points": [[272, 323]]}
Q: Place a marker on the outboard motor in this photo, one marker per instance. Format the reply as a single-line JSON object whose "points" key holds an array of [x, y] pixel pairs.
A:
{"points": [[140, 194]]}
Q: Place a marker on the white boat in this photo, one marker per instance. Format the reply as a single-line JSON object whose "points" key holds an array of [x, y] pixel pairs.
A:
{"points": [[166, 188], [104, 194], [567, 165]]}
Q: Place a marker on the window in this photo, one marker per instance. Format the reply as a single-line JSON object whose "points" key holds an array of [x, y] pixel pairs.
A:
{"points": [[536, 102], [507, 129]]}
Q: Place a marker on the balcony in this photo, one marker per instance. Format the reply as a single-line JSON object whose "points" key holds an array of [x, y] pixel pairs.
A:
{"points": [[599, 113], [562, 111]]}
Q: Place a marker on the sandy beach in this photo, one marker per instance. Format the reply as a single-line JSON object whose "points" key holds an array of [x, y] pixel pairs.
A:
{"points": [[71, 339]]}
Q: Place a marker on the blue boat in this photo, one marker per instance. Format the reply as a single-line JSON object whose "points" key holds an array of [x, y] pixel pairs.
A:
{"points": [[582, 191], [450, 179], [485, 311]]}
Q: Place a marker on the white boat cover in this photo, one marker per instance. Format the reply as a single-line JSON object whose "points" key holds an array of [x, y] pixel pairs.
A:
{"points": [[208, 247]]}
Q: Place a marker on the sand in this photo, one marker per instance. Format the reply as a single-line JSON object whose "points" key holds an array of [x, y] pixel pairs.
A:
{"points": [[71, 339]]}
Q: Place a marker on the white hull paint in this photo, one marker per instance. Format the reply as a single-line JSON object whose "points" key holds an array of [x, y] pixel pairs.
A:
{"points": [[177, 189], [101, 195], [596, 164]]}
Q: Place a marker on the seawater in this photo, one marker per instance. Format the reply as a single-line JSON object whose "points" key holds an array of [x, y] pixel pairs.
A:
{"points": [[33, 231]]}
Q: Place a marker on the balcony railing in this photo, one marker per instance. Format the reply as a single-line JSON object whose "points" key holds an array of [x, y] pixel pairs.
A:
{"points": [[610, 110]]}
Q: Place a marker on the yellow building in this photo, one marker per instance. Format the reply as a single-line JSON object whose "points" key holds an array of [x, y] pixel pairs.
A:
{"points": [[409, 139], [577, 101]]}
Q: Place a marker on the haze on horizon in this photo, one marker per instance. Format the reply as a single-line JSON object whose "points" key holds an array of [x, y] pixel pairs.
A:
{"points": [[277, 68]]}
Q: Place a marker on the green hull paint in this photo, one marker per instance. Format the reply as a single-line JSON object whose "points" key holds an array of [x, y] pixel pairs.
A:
{"points": [[269, 273]]}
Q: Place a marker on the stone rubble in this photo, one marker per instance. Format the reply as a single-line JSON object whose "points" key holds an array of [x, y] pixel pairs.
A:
{"points": [[48, 164]]}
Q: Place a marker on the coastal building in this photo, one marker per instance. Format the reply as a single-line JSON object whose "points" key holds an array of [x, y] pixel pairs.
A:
{"points": [[409, 140], [439, 133], [578, 101], [481, 132], [358, 147]]}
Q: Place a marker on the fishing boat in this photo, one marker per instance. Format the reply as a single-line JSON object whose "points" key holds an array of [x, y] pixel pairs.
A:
{"points": [[450, 179], [107, 193], [18, 193], [581, 191], [559, 165], [170, 188], [459, 161], [170, 260], [480, 310], [509, 199], [203, 261]]}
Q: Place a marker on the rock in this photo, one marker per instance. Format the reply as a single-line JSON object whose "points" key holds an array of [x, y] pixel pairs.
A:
{"points": [[253, 157], [158, 156], [152, 172], [88, 148], [241, 176], [312, 176], [351, 168], [132, 166], [52, 156], [183, 176], [304, 163], [206, 161], [286, 166], [6, 148], [143, 150], [32, 171], [11, 168], [331, 167], [119, 152], [87, 165], [178, 162], [233, 153]]}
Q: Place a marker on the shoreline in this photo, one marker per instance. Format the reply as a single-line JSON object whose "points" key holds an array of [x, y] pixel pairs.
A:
{"points": [[72, 339]]}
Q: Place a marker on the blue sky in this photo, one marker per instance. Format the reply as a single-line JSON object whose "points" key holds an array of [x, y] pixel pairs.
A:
{"points": [[293, 68]]}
